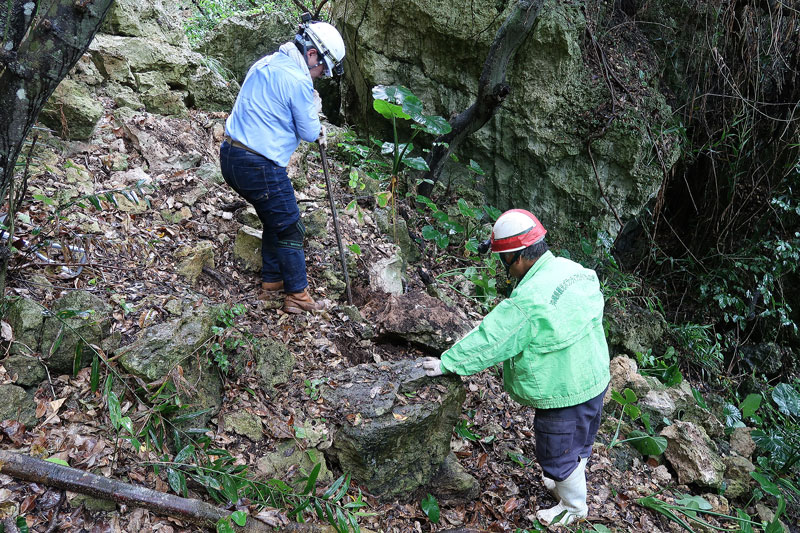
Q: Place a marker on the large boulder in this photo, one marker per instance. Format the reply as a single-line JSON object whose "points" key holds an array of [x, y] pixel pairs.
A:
{"points": [[692, 454], [73, 109], [417, 318], [76, 317], [175, 349], [392, 424], [534, 150], [239, 41], [273, 363]]}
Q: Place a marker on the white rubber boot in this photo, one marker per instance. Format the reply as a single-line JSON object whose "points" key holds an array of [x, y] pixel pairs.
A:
{"points": [[550, 485], [572, 492]]}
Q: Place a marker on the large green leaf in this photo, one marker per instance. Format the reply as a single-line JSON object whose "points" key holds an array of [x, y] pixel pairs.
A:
{"points": [[417, 163], [750, 405], [645, 444], [787, 398], [733, 417], [431, 508], [389, 110], [433, 124], [410, 107]]}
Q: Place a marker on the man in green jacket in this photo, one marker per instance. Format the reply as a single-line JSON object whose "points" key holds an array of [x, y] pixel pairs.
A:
{"points": [[549, 336]]}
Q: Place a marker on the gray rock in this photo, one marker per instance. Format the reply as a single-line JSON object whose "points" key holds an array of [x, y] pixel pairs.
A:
{"points": [[245, 423], [210, 91], [124, 96], [741, 441], [387, 275], [249, 217], [210, 172], [26, 319], [691, 454], [418, 318], [73, 110], [452, 483], [288, 456], [16, 404], [30, 372], [273, 362], [392, 424], [247, 248], [77, 317], [192, 259], [334, 282], [160, 349], [737, 475], [316, 223]]}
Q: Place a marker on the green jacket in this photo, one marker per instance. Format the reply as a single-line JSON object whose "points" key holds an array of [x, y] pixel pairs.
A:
{"points": [[548, 334]]}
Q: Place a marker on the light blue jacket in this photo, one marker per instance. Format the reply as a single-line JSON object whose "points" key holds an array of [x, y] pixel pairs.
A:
{"points": [[275, 109]]}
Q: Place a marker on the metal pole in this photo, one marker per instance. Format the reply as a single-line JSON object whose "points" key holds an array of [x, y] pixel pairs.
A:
{"points": [[336, 223]]}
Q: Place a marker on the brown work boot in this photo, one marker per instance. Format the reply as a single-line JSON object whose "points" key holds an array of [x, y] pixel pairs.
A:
{"points": [[299, 302]]}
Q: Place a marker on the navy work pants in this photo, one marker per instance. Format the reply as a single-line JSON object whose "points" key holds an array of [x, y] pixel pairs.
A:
{"points": [[565, 435], [267, 187]]}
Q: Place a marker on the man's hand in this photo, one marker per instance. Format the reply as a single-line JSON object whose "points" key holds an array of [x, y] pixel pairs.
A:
{"points": [[317, 102], [323, 137], [432, 366]]}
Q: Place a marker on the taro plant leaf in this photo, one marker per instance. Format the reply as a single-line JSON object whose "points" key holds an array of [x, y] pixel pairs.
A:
{"points": [[465, 209], [240, 517], [431, 508], [57, 461], [645, 444], [600, 528], [766, 484], [750, 405], [405, 104], [389, 110], [787, 398], [733, 417], [114, 409], [433, 124], [775, 526], [417, 163], [694, 502], [429, 233], [744, 521]]}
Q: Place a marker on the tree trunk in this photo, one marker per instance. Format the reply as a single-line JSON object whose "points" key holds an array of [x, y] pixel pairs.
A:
{"points": [[492, 87], [42, 41], [197, 512]]}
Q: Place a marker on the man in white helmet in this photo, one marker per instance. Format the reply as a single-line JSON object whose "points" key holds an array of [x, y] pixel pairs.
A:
{"points": [[276, 108], [549, 336]]}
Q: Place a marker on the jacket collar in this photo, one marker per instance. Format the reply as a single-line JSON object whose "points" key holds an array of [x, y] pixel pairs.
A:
{"points": [[537, 266]]}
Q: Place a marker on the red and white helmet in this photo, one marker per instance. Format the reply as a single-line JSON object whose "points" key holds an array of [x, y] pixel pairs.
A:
{"points": [[516, 229]]}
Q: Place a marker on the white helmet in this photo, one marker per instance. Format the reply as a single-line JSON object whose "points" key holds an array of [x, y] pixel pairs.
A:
{"points": [[516, 229], [327, 40]]}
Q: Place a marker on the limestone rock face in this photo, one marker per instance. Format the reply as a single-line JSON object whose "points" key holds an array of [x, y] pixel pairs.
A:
{"points": [[247, 248], [156, 19], [418, 318], [194, 258], [692, 455], [741, 441], [534, 149], [26, 319], [737, 475], [239, 41], [392, 424], [160, 349], [633, 329], [273, 362]]}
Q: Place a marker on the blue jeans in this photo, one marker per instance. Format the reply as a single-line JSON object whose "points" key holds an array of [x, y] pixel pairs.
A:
{"points": [[565, 435], [267, 187]]}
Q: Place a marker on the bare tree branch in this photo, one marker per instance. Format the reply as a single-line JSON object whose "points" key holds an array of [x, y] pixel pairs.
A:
{"points": [[492, 86]]}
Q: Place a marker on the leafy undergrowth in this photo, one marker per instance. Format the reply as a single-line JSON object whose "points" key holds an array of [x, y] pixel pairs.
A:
{"points": [[132, 264]]}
